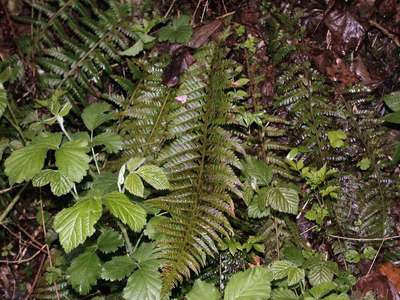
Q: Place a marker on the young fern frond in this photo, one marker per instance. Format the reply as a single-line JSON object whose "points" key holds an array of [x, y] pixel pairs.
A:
{"points": [[198, 163]]}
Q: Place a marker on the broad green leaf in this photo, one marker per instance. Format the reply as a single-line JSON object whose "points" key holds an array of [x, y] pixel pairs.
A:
{"points": [[295, 275], [322, 289], [143, 284], [3, 99], [127, 211], [49, 141], [352, 256], [23, 164], [84, 272], [179, 31], [364, 164], [393, 117], [134, 50], [72, 160], [257, 170], [104, 183], [369, 253], [118, 268], [319, 274], [76, 223], [283, 199], [337, 138], [4, 144], [283, 294], [59, 183], [109, 241], [254, 211], [293, 254], [154, 176], [393, 100], [342, 296], [134, 163], [112, 142], [134, 185], [96, 114], [280, 268], [152, 227], [202, 290], [252, 284], [147, 254]]}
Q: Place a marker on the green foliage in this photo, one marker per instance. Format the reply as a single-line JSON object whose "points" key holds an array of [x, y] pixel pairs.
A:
{"points": [[117, 268], [84, 272], [179, 31], [203, 290], [109, 241], [76, 223]]}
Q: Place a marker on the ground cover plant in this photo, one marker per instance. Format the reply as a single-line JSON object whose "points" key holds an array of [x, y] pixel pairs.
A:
{"points": [[199, 149]]}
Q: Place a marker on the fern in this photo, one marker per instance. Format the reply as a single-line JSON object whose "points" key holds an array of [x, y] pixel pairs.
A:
{"points": [[198, 163], [78, 42]]}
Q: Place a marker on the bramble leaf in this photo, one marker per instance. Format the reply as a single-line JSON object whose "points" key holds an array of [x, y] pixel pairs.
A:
{"points": [[143, 284], [109, 241], [95, 115], [337, 138], [251, 284], [118, 268], [72, 160], [203, 290], [59, 183], [127, 211], [3, 99], [134, 185], [112, 142], [76, 223], [84, 272], [154, 176]]}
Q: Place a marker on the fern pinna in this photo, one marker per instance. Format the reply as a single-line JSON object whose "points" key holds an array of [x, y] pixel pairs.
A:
{"points": [[77, 42], [196, 152]]}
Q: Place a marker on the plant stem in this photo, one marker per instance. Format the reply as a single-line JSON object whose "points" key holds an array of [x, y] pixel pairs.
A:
{"points": [[60, 122], [128, 243], [93, 153], [12, 203]]}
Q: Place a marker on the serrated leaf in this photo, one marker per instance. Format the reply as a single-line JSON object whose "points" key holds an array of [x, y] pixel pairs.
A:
{"points": [[254, 211], [257, 170], [109, 241], [336, 138], [322, 289], [127, 211], [72, 160], [154, 176], [203, 290], [283, 294], [393, 117], [319, 274], [143, 284], [393, 100], [76, 223], [280, 268], [295, 275], [104, 183], [252, 284], [112, 142], [134, 163], [95, 115], [134, 50], [147, 254], [23, 164], [282, 199], [364, 164], [179, 31], [84, 272], [3, 99], [59, 184], [118, 268], [49, 141], [134, 185], [152, 227]]}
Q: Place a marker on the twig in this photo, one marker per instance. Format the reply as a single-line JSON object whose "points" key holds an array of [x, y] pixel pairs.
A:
{"points": [[35, 281], [169, 9], [20, 261], [12, 203], [195, 11], [386, 32], [364, 239], [9, 189], [376, 255]]}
